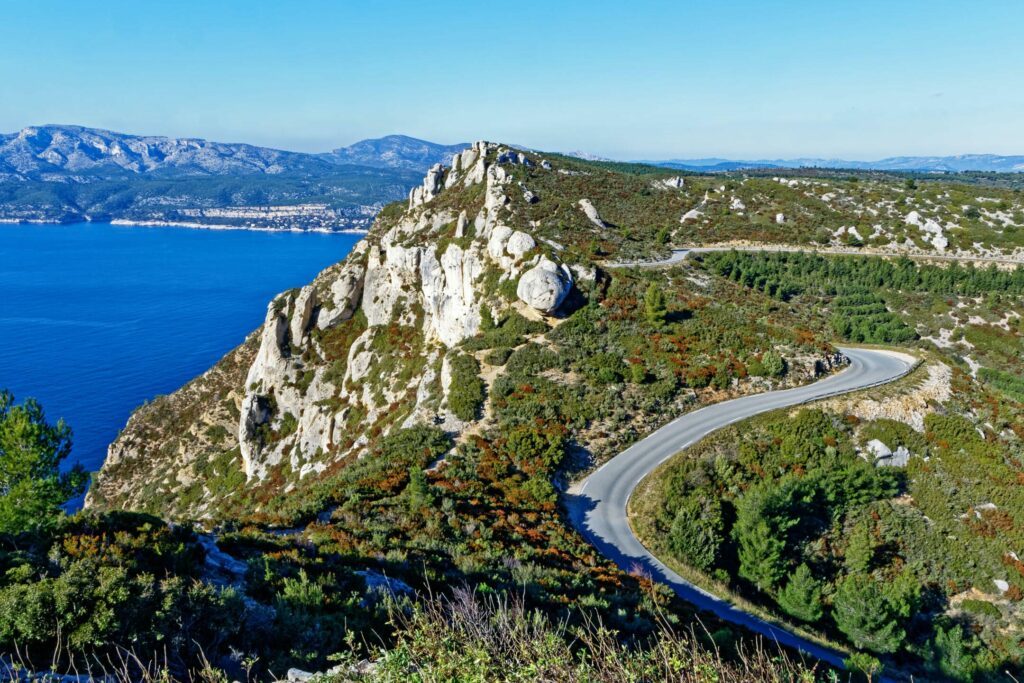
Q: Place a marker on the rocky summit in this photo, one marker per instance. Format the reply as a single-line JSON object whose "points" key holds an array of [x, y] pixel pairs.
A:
{"points": [[324, 370]]}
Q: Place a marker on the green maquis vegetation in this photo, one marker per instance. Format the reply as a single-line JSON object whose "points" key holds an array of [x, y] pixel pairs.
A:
{"points": [[789, 512], [87, 582]]}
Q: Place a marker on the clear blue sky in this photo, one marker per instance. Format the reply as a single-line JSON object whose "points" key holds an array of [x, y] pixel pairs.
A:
{"points": [[857, 79]]}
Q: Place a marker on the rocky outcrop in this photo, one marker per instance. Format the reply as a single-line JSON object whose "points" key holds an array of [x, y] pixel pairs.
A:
{"points": [[432, 185], [545, 286], [293, 410], [673, 183], [590, 211], [362, 349]]}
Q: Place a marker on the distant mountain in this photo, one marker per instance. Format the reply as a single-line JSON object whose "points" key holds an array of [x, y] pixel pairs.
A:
{"points": [[63, 174], [76, 153], [947, 164], [586, 156], [395, 151]]}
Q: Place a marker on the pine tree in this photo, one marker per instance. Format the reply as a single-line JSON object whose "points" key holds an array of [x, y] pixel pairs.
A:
{"points": [[860, 550], [418, 489], [862, 612], [801, 598], [32, 485], [761, 537], [655, 308]]}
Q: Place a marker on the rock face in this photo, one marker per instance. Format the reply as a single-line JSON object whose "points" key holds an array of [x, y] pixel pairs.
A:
{"points": [[545, 286], [363, 348], [412, 285], [432, 184]]}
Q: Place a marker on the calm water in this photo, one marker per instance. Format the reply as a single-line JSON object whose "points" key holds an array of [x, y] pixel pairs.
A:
{"points": [[96, 318]]}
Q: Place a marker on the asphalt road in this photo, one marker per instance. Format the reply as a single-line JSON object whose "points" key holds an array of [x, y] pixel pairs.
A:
{"points": [[597, 505]]}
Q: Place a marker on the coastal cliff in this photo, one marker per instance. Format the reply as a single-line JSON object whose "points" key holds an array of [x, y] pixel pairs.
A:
{"points": [[366, 348]]}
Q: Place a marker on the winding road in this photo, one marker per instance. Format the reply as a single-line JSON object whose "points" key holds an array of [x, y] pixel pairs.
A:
{"points": [[597, 505]]}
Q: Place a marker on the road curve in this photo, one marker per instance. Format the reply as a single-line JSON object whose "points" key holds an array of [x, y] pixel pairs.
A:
{"points": [[597, 505]]}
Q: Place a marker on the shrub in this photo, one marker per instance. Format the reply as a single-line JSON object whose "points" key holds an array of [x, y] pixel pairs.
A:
{"points": [[696, 531], [498, 356], [466, 393]]}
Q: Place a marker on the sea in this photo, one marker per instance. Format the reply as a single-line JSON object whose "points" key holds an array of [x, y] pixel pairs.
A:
{"points": [[96, 319]]}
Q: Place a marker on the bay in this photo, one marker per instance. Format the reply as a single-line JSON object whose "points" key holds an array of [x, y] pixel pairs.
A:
{"points": [[95, 318]]}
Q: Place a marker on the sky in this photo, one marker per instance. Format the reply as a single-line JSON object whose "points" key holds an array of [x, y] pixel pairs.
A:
{"points": [[854, 79]]}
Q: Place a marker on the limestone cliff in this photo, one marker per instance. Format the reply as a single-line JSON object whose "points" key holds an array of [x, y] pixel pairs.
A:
{"points": [[356, 353]]}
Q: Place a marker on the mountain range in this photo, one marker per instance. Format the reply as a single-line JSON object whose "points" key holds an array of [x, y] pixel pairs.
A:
{"points": [[941, 164], [66, 174], [76, 153]]}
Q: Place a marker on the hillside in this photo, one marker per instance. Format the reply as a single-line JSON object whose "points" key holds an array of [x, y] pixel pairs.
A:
{"points": [[418, 410], [395, 151], [71, 173]]}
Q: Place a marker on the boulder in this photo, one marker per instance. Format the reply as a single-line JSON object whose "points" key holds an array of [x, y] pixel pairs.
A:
{"points": [[590, 210], [519, 243], [545, 286], [499, 238]]}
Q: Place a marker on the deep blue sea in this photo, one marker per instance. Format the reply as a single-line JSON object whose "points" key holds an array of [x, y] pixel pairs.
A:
{"points": [[95, 318]]}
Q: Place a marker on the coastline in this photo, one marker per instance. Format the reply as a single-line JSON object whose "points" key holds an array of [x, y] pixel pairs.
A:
{"points": [[124, 222]]}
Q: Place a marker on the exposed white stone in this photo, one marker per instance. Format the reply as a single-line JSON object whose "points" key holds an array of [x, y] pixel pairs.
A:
{"points": [[497, 241], [519, 243], [780, 218], [545, 286], [453, 174], [345, 291], [878, 449], [691, 215], [673, 183], [430, 188], [591, 212], [303, 311]]}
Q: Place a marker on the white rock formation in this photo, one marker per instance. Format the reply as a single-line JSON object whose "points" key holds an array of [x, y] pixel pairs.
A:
{"points": [[590, 210], [545, 286], [396, 279], [933, 233], [429, 189], [691, 215], [780, 218], [673, 183], [519, 243]]}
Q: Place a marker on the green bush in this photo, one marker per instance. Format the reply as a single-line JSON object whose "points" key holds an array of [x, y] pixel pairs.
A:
{"points": [[466, 393], [498, 356]]}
